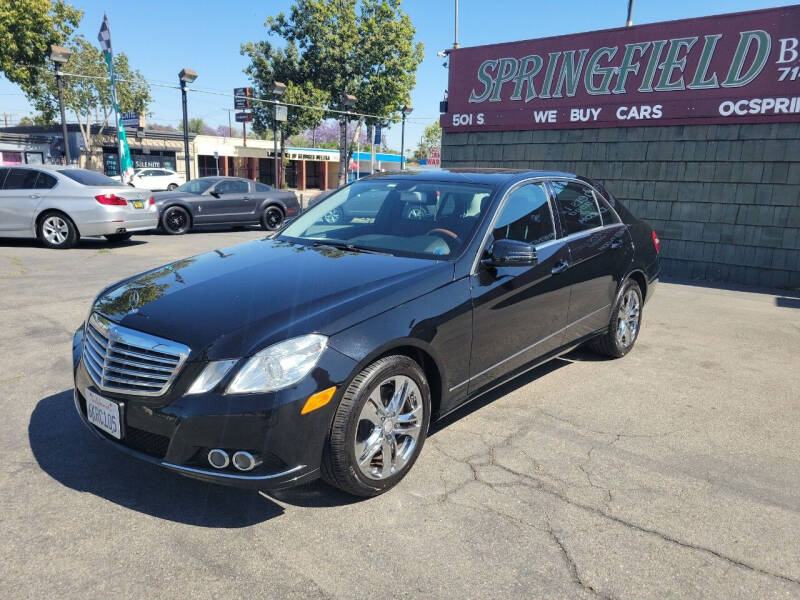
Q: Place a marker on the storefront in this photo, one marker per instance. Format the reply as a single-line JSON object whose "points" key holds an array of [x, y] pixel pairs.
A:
{"points": [[693, 124]]}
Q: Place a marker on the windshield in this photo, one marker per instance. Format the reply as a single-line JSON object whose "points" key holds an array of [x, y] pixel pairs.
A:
{"points": [[425, 218], [197, 186], [85, 177]]}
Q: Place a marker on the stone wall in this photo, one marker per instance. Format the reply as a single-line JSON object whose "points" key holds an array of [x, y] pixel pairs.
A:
{"points": [[724, 199]]}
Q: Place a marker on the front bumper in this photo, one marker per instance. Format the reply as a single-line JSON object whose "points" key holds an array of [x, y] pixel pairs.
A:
{"points": [[176, 431]]}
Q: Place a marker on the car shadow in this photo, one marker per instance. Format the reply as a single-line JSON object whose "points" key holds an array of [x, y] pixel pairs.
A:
{"points": [[83, 244], [497, 393], [71, 455]]}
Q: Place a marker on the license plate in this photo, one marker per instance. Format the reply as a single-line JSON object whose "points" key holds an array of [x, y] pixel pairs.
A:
{"points": [[138, 204], [103, 413]]}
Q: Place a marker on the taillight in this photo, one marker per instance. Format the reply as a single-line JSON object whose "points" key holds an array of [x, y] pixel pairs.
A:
{"points": [[110, 200], [656, 242], [151, 201]]}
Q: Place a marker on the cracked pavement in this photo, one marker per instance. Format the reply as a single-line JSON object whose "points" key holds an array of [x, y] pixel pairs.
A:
{"points": [[674, 472]]}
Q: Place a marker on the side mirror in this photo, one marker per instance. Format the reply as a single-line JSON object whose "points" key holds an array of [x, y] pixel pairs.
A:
{"points": [[215, 194], [512, 253]]}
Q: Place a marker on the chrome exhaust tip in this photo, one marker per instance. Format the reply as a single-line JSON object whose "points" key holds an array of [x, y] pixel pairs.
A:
{"points": [[218, 458], [244, 461]]}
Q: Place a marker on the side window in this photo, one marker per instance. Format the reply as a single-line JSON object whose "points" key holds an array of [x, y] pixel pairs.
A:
{"points": [[20, 179], [45, 181], [606, 212], [235, 186], [262, 187], [576, 206], [526, 216]]}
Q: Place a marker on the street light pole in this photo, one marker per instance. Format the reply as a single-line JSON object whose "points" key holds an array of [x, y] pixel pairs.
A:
{"points": [[407, 108], [186, 76], [60, 55], [629, 22], [278, 90]]}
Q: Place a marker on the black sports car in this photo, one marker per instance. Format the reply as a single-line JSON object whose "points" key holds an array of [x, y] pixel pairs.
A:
{"points": [[224, 201], [329, 349]]}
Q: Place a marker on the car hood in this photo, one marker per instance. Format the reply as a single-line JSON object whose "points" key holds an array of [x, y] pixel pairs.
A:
{"points": [[232, 302], [160, 197]]}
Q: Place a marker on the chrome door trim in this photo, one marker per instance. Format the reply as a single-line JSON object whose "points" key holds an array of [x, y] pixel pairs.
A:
{"points": [[544, 339]]}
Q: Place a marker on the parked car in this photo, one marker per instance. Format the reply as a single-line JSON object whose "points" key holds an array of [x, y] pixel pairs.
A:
{"points": [[157, 179], [224, 201], [329, 349], [59, 205]]}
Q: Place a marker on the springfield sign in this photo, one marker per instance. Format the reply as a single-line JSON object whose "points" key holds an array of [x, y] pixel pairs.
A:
{"points": [[734, 68]]}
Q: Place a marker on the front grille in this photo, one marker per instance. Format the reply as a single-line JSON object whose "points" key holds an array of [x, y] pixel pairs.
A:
{"points": [[119, 359]]}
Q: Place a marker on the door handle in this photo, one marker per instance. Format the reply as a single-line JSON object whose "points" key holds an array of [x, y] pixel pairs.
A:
{"points": [[34, 196], [560, 267]]}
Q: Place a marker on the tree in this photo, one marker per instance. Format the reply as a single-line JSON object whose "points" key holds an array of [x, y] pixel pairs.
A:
{"points": [[89, 98], [198, 127], [268, 65], [358, 47], [431, 138], [27, 29]]}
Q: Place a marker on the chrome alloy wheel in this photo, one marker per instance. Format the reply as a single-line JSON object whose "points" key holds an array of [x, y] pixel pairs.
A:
{"points": [[628, 318], [388, 427], [55, 230]]}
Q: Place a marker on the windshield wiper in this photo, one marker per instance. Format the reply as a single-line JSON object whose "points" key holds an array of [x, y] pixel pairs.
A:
{"points": [[341, 245]]}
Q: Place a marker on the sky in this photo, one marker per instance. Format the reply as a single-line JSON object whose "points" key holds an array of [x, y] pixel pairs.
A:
{"points": [[162, 37]]}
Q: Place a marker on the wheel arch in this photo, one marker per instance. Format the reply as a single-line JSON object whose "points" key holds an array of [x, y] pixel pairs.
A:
{"points": [[47, 211], [639, 277], [420, 353]]}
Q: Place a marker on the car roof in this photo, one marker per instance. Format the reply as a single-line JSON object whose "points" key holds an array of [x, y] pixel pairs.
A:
{"points": [[485, 176]]}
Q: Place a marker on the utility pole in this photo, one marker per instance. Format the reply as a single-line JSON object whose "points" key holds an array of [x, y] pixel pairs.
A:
{"points": [[455, 37], [629, 22]]}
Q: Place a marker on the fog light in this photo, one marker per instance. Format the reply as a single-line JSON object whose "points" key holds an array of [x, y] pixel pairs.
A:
{"points": [[218, 458]]}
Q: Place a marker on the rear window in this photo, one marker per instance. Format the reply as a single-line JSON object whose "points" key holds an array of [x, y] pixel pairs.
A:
{"points": [[85, 177], [263, 187]]}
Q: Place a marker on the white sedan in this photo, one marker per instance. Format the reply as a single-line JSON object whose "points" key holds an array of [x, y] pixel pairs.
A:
{"points": [[156, 179]]}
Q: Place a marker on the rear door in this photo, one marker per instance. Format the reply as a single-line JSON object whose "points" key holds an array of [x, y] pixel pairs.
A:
{"points": [[21, 193], [519, 312], [600, 249]]}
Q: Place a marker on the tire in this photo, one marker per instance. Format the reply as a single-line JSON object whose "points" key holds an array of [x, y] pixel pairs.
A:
{"points": [[176, 220], [116, 238], [56, 230], [172, 187], [618, 340], [272, 218], [361, 431]]}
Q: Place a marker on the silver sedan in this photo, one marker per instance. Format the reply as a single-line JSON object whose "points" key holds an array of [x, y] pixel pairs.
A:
{"points": [[59, 205]]}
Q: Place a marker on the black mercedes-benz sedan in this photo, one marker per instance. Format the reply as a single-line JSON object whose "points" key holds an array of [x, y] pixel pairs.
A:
{"points": [[224, 201], [329, 349]]}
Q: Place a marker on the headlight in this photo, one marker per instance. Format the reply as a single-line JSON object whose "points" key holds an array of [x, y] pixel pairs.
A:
{"points": [[211, 376], [279, 366]]}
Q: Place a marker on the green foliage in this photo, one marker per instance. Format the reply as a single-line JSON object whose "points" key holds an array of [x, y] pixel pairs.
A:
{"points": [[198, 126], [431, 138], [89, 99], [360, 47], [27, 29], [269, 64]]}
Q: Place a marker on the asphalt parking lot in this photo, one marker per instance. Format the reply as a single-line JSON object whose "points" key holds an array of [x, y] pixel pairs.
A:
{"points": [[674, 472]]}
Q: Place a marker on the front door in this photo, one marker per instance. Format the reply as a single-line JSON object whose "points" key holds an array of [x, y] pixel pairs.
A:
{"points": [[519, 312], [234, 202], [600, 248]]}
